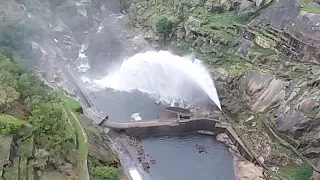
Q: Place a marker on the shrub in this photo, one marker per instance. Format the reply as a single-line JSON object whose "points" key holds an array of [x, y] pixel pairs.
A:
{"points": [[164, 27], [106, 173]]}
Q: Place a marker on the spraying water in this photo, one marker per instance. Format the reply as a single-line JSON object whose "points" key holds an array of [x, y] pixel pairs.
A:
{"points": [[163, 75]]}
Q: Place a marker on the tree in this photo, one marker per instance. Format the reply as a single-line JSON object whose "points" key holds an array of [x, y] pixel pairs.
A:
{"points": [[164, 28], [7, 95], [29, 85], [6, 78]]}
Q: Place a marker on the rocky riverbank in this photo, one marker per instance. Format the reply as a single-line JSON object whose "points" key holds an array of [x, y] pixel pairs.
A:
{"points": [[244, 170]]}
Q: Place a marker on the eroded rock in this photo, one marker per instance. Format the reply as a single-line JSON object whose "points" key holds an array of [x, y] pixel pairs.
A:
{"points": [[191, 24], [264, 91], [293, 123], [246, 170]]}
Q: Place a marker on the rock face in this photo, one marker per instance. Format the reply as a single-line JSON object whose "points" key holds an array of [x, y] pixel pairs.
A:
{"points": [[246, 170], [263, 91], [254, 83], [296, 22]]}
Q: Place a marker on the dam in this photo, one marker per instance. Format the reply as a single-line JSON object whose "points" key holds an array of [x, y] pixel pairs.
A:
{"points": [[105, 107], [173, 121]]}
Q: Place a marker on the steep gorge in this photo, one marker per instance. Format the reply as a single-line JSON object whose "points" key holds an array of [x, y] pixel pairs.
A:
{"points": [[254, 83]]}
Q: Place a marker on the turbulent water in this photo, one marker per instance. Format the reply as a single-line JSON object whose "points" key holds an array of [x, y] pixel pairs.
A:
{"points": [[164, 76]]}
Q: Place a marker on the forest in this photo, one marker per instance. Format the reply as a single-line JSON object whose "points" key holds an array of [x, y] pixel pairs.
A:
{"points": [[41, 124]]}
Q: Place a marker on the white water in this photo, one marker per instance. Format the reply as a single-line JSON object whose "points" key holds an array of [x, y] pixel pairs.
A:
{"points": [[83, 60], [163, 75], [136, 117], [135, 175]]}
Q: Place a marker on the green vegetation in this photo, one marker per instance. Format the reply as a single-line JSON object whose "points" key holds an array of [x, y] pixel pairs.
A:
{"points": [[10, 124], [13, 40], [40, 120], [12, 173], [82, 142], [211, 34], [314, 112], [105, 173], [315, 10], [45, 125], [69, 103], [296, 172], [164, 27], [308, 7], [100, 171]]}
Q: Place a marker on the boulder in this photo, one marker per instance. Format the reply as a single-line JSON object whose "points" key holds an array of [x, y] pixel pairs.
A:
{"points": [[293, 123], [226, 4], [246, 170], [191, 25], [308, 105]]}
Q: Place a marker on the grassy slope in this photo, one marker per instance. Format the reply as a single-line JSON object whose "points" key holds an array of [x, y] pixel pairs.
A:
{"points": [[82, 141]]}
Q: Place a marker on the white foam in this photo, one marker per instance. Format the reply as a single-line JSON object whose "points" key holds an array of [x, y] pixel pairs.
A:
{"points": [[83, 60], [135, 175], [81, 54], [165, 76], [136, 117]]}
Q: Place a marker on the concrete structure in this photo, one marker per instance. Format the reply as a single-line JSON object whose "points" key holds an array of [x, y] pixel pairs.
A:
{"points": [[173, 121], [170, 121]]}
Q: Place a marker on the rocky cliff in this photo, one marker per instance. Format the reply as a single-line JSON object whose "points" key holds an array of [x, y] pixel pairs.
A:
{"points": [[256, 79]]}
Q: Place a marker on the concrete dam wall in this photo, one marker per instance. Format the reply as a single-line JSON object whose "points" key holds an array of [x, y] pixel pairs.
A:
{"points": [[155, 128], [172, 121], [144, 129]]}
